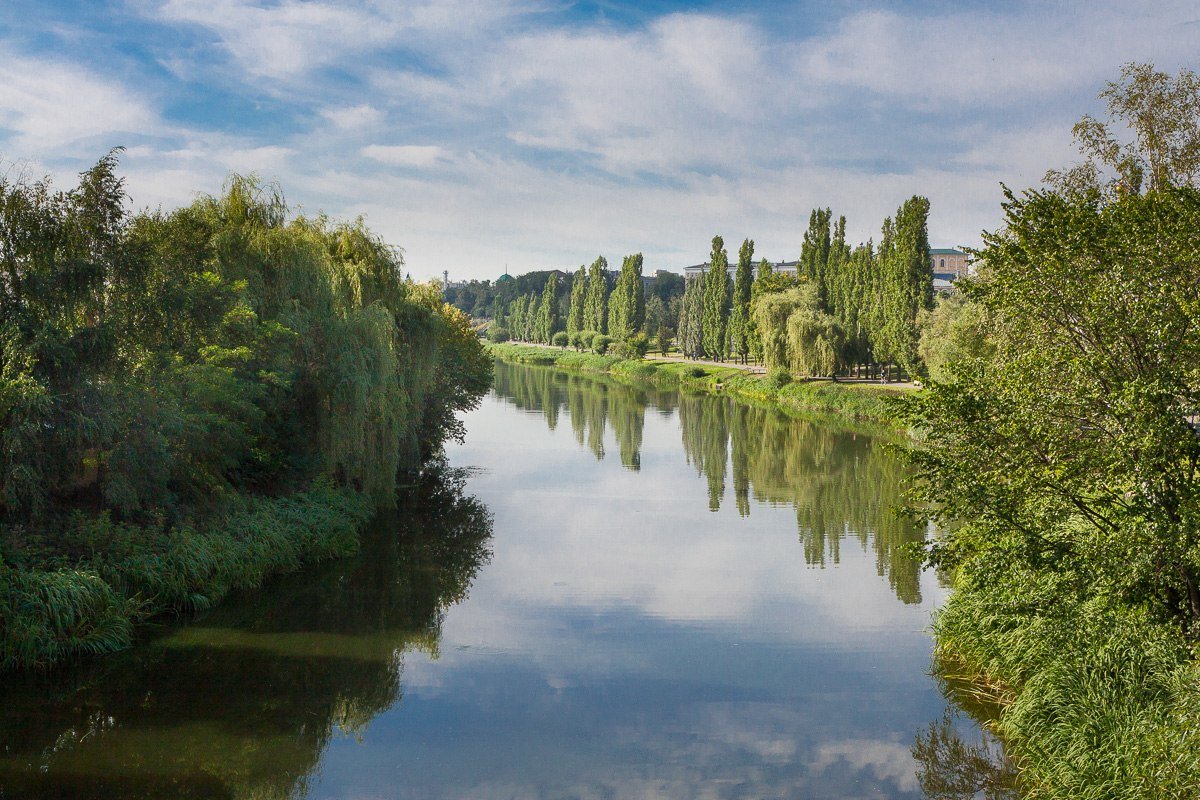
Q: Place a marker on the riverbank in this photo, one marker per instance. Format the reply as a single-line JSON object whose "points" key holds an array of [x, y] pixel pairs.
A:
{"points": [[86, 585], [852, 403]]}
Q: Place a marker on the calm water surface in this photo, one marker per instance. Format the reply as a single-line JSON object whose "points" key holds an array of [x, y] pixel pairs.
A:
{"points": [[614, 593]]}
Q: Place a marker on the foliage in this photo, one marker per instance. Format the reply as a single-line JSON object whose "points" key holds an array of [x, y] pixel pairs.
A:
{"points": [[953, 335], [578, 299], [496, 332], [159, 368], [663, 339], [627, 306], [715, 314], [633, 347], [1162, 113], [601, 343], [560, 339], [739, 319], [691, 330], [595, 309]]}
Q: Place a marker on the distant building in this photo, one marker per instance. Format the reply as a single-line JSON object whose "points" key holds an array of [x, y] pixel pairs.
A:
{"points": [[786, 267], [949, 264], [949, 261]]}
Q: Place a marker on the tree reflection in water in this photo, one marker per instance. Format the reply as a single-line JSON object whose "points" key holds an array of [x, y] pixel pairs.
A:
{"points": [[951, 768], [242, 703], [839, 483]]}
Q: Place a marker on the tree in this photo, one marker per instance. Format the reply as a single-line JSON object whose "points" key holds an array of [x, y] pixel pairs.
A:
{"points": [[656, 315], [739, 320], [627, 306], [595, 310], [814, 252], [716, 301], [954, 335], [547, 320], [578, 297], [797, 334], [1163, 115], [905, 284], [691, 312]]}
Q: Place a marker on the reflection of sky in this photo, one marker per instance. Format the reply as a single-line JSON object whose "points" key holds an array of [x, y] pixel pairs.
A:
{"points": [[627, 642]]}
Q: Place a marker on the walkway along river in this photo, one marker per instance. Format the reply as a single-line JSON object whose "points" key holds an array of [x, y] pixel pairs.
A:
{"points": [[607, 593]]}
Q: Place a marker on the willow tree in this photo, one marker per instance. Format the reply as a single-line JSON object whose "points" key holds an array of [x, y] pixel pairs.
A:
{"points": [[739, 320], [716, 301], [627, 305], [578, 296], [595, 309]]}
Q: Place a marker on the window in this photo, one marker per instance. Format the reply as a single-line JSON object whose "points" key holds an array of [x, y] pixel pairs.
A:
{"points": [[942, 263]]}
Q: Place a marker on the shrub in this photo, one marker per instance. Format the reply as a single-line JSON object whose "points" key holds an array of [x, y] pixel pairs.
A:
{"points": [[695, 372], [778, 378], [634, 347], [497, 333], [586, 339], [559, 339], [600, 344]]}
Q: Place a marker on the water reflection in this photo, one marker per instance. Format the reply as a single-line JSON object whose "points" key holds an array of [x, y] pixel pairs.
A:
{"points": [[962, 765], [243, 703], [840, 485]]}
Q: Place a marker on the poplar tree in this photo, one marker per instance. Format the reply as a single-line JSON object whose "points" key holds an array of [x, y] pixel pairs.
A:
{"points": [[739, 321], [691, 312], [814, 252], [578, 296], [547, 318], [595, 310], [627, 306], [716, 301]]}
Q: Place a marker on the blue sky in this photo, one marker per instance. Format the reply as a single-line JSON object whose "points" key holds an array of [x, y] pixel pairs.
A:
{"points": [[480, 134]]}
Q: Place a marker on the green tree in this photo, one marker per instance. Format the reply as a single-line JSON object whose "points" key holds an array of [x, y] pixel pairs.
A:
{"points": [[595, 310], [627, 306], [739, 320], [548, 322], [578, 297], [814, 252], [954, 335], [691, 314], [716, 301]]}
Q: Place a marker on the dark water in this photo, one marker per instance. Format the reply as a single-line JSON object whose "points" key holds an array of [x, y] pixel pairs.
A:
{"points": [[634, 595]]}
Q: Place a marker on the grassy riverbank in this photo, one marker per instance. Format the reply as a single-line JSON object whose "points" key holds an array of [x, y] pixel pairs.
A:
{"points": [[848, 402], [83, 586]]}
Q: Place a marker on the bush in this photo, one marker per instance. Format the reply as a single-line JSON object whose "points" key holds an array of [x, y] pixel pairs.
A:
{"points": [[778, 378], [633, 347], [695, 372], [586, 339], [559, 339], [497, 333], [601, 343]]}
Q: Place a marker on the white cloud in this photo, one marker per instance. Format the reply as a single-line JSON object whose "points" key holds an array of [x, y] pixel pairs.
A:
{"points": [[405, 155], [50, 106], [352, 118]]}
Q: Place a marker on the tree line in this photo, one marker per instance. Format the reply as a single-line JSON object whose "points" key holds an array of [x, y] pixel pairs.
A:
{"points": [[844, 305], [194, 399]]}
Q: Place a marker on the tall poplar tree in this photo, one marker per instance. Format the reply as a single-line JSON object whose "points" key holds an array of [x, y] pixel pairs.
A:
{"points": [[739, 320], [691, 313], [627, 305], [578, 296], [716, 301], [547, 319], [595, 309], [814, 252]]}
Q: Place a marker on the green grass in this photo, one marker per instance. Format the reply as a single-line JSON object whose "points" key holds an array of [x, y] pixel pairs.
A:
{"points": [[86, 588], [1092, 699], [846, 402]]}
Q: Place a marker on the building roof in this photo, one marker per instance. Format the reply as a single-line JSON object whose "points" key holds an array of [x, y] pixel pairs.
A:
{"points": [[945, 251]]}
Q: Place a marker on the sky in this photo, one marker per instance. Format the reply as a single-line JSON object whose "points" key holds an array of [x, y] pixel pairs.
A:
{"points": [[485, 135]]}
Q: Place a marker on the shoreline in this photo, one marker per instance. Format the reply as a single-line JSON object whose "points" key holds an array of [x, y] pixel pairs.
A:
{"points": [[856, 404]]}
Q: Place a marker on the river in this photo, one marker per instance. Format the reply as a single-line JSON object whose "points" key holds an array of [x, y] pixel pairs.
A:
{"points": [[607, 592]]}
